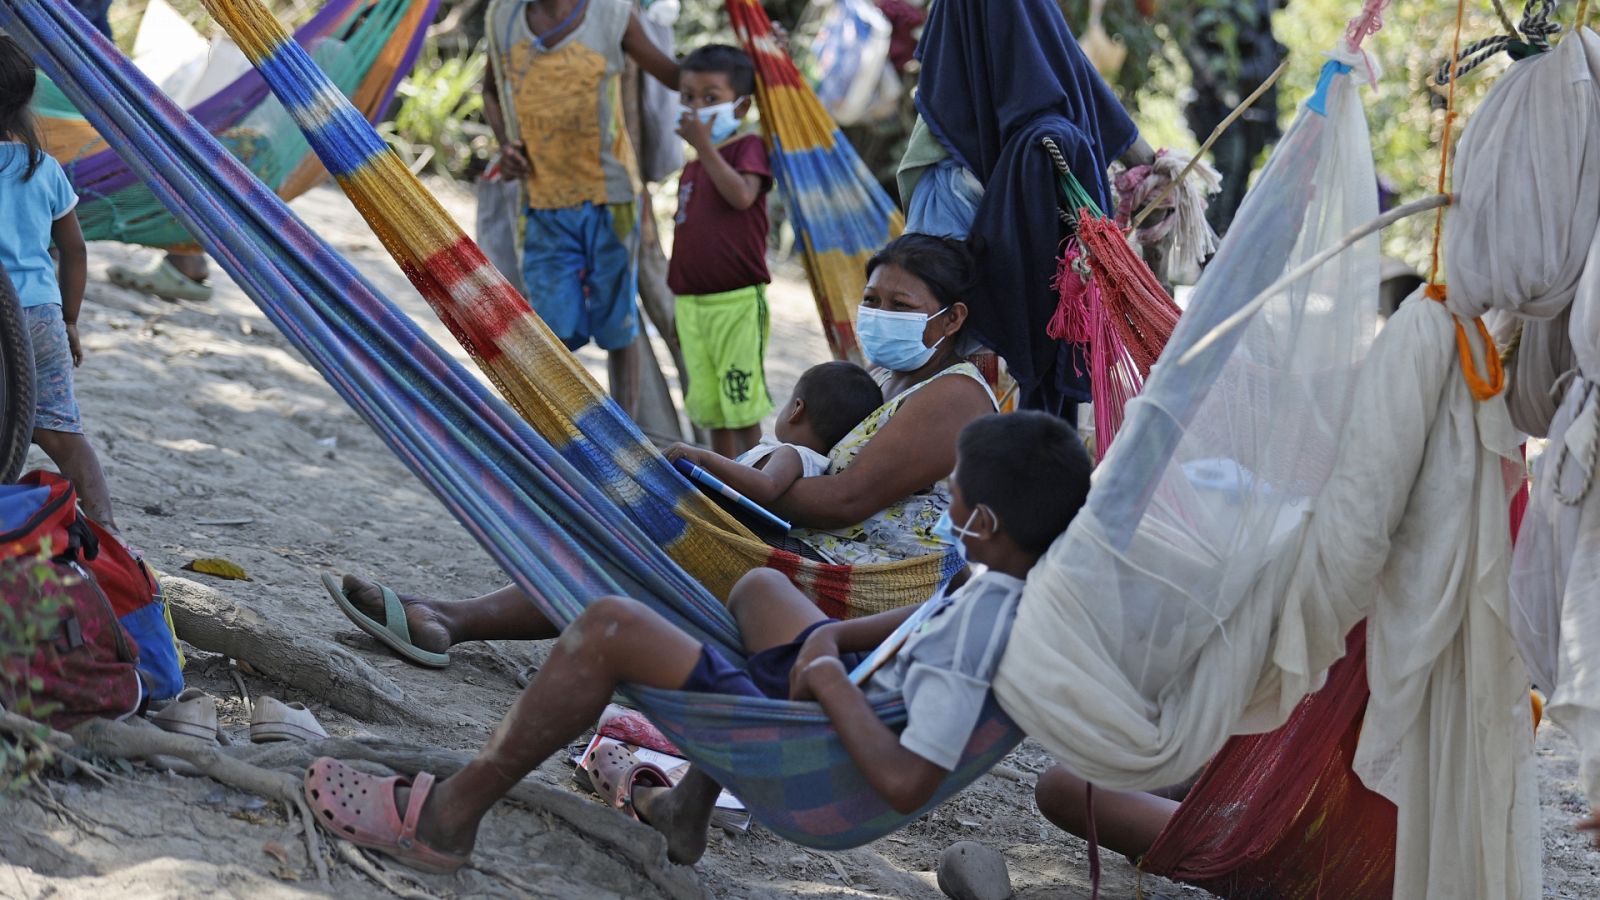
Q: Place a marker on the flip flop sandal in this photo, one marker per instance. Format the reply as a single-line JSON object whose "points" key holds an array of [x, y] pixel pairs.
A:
{"points": [[161, 279], [192, 714], [273, 720], [392, 632], [360, 808], [614, 773]]}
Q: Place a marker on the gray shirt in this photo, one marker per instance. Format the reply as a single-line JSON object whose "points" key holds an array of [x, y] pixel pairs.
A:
{"points": [[945, 668]]}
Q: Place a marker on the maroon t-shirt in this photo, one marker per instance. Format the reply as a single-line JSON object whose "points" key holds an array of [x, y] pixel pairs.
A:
{"points": [[715, 247]]}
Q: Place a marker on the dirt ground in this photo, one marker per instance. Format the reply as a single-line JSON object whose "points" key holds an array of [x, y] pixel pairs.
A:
{"points": [[204, 416]]}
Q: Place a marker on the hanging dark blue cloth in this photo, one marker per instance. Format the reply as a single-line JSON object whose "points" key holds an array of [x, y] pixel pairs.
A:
{"points": [[998, 76]]}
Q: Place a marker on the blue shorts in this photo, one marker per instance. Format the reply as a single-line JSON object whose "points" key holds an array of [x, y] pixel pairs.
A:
{"points": [[55, 406], [765, 674], [581, 273]]}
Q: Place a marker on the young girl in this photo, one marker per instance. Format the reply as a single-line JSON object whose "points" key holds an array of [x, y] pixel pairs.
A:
{"points": [[36, 209]]}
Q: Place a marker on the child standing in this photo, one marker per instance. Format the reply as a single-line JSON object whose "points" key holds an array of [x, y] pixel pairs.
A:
{"points": [[553, 97], [719, 251], [37, 208]]}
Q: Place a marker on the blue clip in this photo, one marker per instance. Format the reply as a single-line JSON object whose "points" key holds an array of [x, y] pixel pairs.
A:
{"points": [[1319, 100]]}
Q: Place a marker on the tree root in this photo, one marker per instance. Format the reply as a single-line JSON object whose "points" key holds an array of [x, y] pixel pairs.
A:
{"points": [[353, 855], [118, 740], [211, 621]]}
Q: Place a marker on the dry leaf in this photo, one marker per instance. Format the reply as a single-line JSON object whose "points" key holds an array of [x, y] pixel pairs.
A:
{"points": [[217, 567], [276, 851]]}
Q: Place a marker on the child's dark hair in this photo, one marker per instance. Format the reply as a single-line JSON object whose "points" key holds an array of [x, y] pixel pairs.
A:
{"points": [[948, 267], [17, 82], [726, 59], [838, 395], [1030, 468]]}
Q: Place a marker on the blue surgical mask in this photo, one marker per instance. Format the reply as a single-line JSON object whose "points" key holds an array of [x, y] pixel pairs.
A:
{"points": [[945, 529], [721, 117], [894, 339]]}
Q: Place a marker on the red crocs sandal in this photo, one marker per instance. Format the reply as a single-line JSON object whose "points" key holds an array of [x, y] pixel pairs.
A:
{"points": [[360, 808], [614, 773]]}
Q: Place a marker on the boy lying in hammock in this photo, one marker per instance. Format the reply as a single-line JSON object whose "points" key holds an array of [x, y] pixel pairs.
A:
{"points": [[1019, 480]]}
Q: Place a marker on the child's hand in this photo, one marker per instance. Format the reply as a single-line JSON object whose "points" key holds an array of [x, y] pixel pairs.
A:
{"points": [[821, 644], [72, 342], [780, 35], [815, 676], [695, 132], [514, 161], [680, 450]]}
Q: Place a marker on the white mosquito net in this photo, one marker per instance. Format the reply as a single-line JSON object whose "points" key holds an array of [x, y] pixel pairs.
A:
{"points": [[1269, 491]]}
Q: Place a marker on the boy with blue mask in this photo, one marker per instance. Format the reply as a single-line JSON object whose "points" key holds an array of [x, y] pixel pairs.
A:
{"points": [[719, 251]]}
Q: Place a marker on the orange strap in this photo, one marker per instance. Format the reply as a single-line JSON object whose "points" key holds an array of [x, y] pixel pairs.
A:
{"points": [[1482, 389]]}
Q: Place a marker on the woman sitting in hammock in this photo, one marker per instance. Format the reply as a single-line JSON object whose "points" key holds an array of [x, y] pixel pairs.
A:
{"points": [[887, 482]]}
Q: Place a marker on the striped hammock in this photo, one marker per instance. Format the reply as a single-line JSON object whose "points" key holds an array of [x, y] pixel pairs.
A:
{"points": [[840, 212], [529, 501], [366, 47], [539, 377]]}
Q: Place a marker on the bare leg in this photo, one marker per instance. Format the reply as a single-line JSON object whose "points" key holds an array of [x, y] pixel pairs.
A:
{"points": [[732, 442], [192, 265], [615, 640], [75, 457], [623, 367], [1125, 823], [770, 610], [437, 625]]}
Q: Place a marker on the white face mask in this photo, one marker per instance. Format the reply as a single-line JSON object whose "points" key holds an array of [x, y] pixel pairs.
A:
{"points": [[721, 117]]}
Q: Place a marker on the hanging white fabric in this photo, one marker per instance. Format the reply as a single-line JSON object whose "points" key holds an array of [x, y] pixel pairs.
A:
{"points": [[1556, 571], [1181, 608]]}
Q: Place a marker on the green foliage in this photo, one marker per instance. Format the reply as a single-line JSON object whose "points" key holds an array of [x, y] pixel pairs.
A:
{"points": [[1405, 113], [23, 628], [437, 123]]}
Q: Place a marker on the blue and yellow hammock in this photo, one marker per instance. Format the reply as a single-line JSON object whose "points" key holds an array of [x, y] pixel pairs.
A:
{"points": [[561, 537]]}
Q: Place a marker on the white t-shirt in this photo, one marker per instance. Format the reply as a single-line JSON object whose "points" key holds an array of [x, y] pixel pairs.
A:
{"points": [[812, 463], [946, 666]]}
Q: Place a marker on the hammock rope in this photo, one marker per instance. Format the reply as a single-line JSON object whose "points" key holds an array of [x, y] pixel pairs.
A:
{"points": [[561, 537]]}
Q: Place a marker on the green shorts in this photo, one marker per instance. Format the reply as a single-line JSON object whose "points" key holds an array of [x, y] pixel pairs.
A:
{"points": [[724, 340]]}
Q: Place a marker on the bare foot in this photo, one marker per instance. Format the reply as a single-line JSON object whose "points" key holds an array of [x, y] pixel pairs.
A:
{"points": [[428, 630], [433, 826], [682, 814]]}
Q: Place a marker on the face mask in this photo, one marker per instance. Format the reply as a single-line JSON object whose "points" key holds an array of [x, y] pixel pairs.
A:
{"points": [[945, 529], [894, 339], [720, 117]]}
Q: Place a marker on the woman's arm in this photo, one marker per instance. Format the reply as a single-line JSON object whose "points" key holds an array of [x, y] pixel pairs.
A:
{"points": [[915, 450], [644, 51], [902, 778]]}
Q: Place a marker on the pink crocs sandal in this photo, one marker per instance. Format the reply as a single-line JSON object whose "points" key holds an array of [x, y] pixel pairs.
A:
{"points": [[360, 808], [614, 773]]}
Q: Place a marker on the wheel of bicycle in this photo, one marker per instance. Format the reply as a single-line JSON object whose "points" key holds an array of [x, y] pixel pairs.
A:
{"points": [[16, 384]]}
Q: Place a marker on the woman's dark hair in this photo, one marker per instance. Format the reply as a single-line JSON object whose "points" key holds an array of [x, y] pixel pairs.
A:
{"points": [[17, 81], [727, 60], [947, 266]]}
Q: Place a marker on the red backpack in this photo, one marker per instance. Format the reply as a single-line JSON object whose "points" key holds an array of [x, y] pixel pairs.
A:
{"points": [[64, 657]]}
